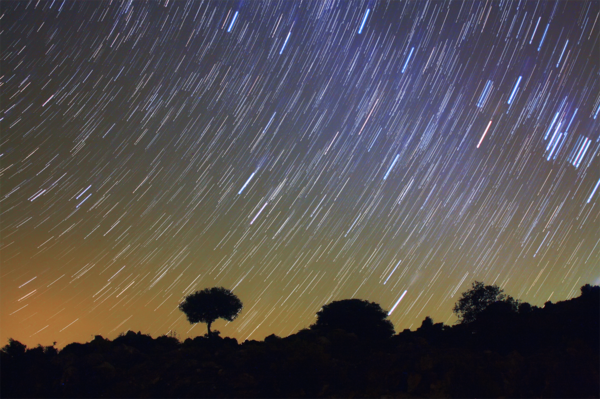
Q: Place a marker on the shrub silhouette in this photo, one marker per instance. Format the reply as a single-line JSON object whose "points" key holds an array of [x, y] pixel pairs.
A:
{"points": [[427, 323], [365, 319], [14, 348], [211, 304], [525, 308], [478, 298], [496, 325], [587, 291]]}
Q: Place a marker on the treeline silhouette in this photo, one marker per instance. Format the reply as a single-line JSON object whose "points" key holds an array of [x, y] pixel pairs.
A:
{"points": [[501, 347]]}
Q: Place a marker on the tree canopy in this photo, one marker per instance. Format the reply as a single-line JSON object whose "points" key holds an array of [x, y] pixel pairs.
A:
{"points": [[363, 318], [211, 304], [589, 290], [479, 298]]}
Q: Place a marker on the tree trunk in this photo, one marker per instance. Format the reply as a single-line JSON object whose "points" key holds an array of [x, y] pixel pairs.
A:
{"points": [[209, 332]]}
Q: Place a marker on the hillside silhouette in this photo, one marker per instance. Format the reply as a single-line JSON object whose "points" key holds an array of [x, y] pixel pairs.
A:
{"points": [[506, 349]]}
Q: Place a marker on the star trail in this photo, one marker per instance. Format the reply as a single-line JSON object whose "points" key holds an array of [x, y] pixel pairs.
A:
{"points": [[294, 152]]}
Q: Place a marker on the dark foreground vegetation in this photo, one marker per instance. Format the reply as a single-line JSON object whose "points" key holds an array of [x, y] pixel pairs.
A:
{"points": [[504, 349]]}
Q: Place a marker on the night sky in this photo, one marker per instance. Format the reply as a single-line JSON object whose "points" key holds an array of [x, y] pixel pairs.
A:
{"points": [[294, 152]]}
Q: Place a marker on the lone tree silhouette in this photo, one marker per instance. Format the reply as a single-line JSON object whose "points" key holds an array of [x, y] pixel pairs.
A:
{"points": [[211, 304], [478, 298], [363, 318]]}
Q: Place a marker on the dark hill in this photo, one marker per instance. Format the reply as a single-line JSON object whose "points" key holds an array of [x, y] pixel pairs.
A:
{"points": [[536, 352]]}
